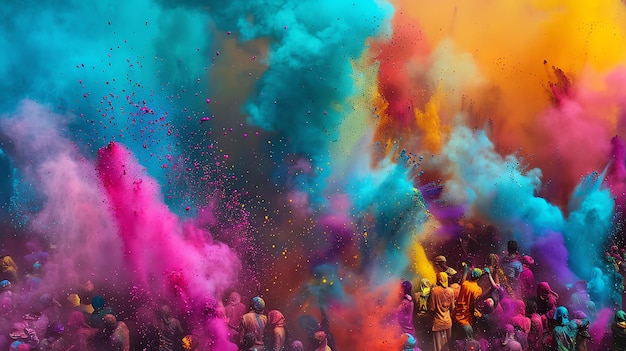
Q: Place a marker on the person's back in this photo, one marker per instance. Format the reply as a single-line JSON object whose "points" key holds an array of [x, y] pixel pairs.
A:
{"points": [[465, 302], [277, 334], [321, 341], [254, 322], [512, 266], [119, 334], [169, 330], [234, 311]]}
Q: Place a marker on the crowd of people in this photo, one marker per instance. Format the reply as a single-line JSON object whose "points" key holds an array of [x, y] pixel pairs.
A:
{"points": [[500, 306], [494, 306], [34, 316]]}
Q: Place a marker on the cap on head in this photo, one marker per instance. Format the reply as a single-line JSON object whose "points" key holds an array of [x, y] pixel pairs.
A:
{"points": [[440, 259]]}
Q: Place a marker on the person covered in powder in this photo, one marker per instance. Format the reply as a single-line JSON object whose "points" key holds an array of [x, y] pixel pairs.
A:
{"points": [[9, 269], [254, 323], [277, 334], [404, 312], [547, 300], [117, 332], [566, 330], [321, 341], [23, 333], [96, 319], [497, 274], [408, 343], [508, 341], [465, 304], [80, 334], [535, 336], [580, 299], [528, 286], [169, 330], [441, 304], [597, 288], [512, 266], [618, 329], [296, 345], [234, 311]]}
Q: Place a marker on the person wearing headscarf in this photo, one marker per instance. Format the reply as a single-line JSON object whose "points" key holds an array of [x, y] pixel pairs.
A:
{"points": [[618, 329], [234, 311], [441, 303], [277, 332], [535, 335], [422, 296], [580, 299], [406, 308], [528, 286], [409, 343], [519, 319], [254, 322], [546, 299], [597, 288], [80, 334], [170, 331], [508, 342], [565, 330], [321, 341], [9, 269]]}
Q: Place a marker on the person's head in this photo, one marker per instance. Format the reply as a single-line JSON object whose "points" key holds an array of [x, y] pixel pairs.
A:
{"points": [[561, 315], [424, 286], [110, 322], [248, 341], [296, 345], [407, 288], [74, 300], [258, 304], [442, 279], [531, 307], [511, 247], [234, 298], [620, 317], [408, 341], [165, 312], [440, 261], [275, 318], [527, 260], [580, 285], [5, 285], [320, 338], [475, 274], [97, 302], [488, 306]]}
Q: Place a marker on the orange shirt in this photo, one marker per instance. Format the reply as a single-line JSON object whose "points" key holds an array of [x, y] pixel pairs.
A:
{"points": [[464, 310], [441, 302]]}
